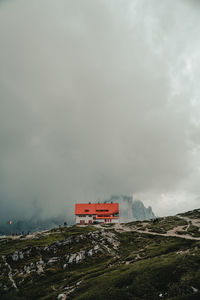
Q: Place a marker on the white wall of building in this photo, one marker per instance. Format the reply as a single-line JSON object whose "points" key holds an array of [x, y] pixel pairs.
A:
{"points": [[88, 218]]}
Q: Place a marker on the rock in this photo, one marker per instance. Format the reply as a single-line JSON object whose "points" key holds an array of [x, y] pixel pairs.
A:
{"points": [[140, 212], [53, 260], [27, 269], [62, 297], [71, 258], [131, 209], [82, 253], [78, 258], [28, 252], [15, 256], [90, 252], [40, 265], [96, 248], [194, 289]]}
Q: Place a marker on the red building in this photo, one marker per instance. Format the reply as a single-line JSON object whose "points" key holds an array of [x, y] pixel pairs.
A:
{"points": [[97, 213]]}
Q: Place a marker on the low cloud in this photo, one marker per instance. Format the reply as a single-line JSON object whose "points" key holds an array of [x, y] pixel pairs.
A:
{"points": [[98, 97]]}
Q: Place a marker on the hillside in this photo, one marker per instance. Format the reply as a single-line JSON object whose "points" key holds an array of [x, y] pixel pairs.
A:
{"points": [[31, 225], [157, 259]]}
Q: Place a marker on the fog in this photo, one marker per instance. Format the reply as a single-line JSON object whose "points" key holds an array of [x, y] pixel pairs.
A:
{"points": [[98, 97]]}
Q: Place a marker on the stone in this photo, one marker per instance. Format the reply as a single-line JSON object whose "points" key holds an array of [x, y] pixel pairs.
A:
{"points": [[62, 297], [15, 256]]}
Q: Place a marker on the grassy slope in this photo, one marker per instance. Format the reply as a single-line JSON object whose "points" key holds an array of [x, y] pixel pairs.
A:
{"points": [[143, 267], [161, 270], [9, 246]]}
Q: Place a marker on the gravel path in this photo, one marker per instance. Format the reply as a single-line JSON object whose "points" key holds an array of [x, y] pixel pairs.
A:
{"points": [[172, 232]]}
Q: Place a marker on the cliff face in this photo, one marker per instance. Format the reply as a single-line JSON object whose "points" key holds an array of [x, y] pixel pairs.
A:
{"points": [[131, 209], [139, 260], [140, 212]]}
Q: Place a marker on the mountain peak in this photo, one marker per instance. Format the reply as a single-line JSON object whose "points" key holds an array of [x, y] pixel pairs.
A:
{"points": [[132, 209]]}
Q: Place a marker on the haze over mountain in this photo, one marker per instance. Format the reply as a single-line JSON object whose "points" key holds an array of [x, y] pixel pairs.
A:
{"points": [[131, 209], [98, 97]]}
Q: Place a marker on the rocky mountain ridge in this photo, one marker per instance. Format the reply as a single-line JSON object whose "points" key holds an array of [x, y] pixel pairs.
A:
{"points": [[132, 209]]}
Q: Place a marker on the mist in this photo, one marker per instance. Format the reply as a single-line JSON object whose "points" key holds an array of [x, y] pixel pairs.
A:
{"points": [[98, 97]]}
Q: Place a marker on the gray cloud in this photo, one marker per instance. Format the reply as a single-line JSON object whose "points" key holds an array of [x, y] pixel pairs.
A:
{"points": [[98, 97]]}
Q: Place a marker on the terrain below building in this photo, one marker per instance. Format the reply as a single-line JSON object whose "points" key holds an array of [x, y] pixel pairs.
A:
{"points": [[138, 260]]}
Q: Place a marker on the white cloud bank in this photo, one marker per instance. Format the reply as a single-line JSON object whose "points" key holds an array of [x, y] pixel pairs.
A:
{"points": [[98, 97]]}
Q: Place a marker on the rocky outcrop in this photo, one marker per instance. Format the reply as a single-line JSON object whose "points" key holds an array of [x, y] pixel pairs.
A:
{"points": [[62, 263], [131, 209], [21, 266], [140, 212]]}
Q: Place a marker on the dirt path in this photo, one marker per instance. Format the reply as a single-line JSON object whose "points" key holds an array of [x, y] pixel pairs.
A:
{"points": [[170, 233], [195, 222]]}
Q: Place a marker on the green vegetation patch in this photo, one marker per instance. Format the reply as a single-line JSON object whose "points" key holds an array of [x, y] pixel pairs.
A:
{"points": [[193, 230], [145, 279], [193, 214], [165, 224], [46, 239], [133, 244]]}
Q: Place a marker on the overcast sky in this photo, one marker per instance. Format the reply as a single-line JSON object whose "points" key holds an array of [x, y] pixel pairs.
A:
{"points": [[98, 98]]}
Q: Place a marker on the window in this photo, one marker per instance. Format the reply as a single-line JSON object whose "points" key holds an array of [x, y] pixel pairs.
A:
{"points": [[103, 216], [86, 210], [101, 209]]}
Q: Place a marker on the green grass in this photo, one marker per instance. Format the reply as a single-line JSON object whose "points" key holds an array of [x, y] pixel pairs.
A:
{"points": [[132, 243], [10, 245], [144, 266], [193, 230], [194, 214], [165, 224], [162, 225], [144, 279]]}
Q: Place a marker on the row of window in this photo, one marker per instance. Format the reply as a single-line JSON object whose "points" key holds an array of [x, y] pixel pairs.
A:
{"points": [[83, 222], [86, 210], [90, 221], [83, 216], [90, 216]]}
